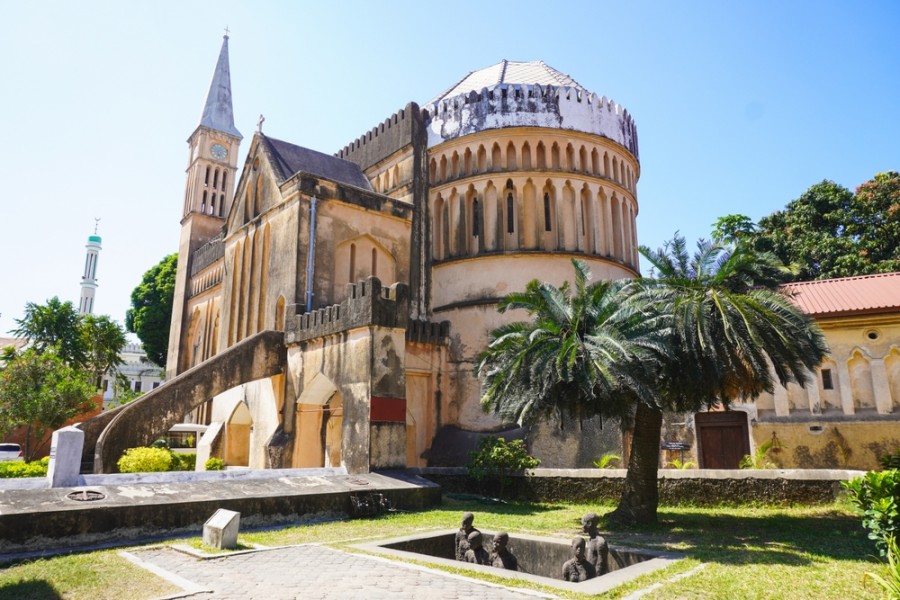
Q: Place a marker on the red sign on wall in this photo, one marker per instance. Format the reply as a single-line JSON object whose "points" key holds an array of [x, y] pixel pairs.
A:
{"points": [[387, 410]]}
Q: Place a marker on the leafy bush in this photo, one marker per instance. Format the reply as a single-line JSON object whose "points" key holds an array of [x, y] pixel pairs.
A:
{"points": [[15, 469], [759, 459], [145, 460], [891, 461], [183, 462], [676, 463], [607, 461], [498, 459], [875, 496], [891, 582], [215, 464]]}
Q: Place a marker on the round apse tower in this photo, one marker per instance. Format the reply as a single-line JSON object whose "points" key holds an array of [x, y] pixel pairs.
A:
{"points": [[527, 169]]}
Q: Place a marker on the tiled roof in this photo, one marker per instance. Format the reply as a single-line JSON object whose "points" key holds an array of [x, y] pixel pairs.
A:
{"points": [[865, 294], [511, 73], [290, 159]]}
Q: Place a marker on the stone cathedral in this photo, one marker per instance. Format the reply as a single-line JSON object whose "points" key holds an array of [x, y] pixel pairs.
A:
{"points": [[380, 266]]}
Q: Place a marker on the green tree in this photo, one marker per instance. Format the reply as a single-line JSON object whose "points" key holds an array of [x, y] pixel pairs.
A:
{"points": [[40, 391], [103, 340], [150, 315], [831, 232], [55, 325], [732, 228], [585, 351], [728, 339]]}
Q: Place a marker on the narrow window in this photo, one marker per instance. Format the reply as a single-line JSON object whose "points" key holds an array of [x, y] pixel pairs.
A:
{"points": [[212, 205], [476, 219], [206, 179], [352, 274], [509, 214], [547, 213], [224, 177], [221, 203], [827, 382], [216, 180], [203, 203], [374, 262], [137, 386]]}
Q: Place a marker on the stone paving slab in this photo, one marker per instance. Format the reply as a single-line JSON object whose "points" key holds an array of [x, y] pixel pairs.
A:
{"points": [[316, 572]]}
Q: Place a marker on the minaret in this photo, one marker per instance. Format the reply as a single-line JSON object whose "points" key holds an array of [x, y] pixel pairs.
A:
{"points": [[209, 192], [89, 279]]}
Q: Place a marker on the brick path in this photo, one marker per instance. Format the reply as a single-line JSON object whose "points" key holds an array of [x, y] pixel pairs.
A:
{"points": [[313, 572]]}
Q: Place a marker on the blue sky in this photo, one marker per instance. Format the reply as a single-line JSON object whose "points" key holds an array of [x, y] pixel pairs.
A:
{"points": [[740, 107]]}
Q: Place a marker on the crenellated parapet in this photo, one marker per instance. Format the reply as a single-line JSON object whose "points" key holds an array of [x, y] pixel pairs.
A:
{"points": [[514, 105], [384, 139], [428, 332], [368, 303]]}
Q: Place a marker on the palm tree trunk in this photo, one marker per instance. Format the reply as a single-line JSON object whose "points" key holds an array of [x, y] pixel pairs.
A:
{"points": [[641, 494]]}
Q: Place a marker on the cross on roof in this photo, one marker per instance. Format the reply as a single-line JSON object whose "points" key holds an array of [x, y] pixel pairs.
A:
{"points": [[227, 31]]}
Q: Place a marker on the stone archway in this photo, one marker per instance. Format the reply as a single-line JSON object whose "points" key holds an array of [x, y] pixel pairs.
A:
{"points": [[319, 424], [237, 436]]}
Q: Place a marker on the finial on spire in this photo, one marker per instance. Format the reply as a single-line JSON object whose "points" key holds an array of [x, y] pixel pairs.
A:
{"points": [[259, 123], [96, 223], [227, 31]]}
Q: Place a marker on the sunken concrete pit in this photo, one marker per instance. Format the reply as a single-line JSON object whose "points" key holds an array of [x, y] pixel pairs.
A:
{"points": [[120, 509], [540, 559]]}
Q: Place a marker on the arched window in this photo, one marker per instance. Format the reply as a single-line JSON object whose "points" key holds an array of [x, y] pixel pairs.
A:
{"points": [[526, 156], [212, 204], [221, 204], [216, 180], [224, 177], [206, 179], [443, 175], [511, 157], [541, 156], [510, 215], [482, 159], [554, 156], [495, 158], [467, 162], [203, 203], [432, 171], [374, 262]]}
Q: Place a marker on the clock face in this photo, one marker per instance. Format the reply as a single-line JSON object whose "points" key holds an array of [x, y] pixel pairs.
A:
{"points": [[218, 151]]}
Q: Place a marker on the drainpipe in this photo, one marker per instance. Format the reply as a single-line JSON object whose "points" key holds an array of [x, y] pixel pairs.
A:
{"points": [[311, 255]]}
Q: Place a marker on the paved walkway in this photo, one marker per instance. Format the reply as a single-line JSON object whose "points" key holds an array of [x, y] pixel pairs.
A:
{"points": [[312, 572]]}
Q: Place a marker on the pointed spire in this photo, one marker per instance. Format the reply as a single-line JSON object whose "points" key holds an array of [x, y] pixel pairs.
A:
{"points": [[217, 112]]}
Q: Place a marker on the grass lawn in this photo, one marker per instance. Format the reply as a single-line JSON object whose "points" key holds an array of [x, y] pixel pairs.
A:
{"points": [[816, 552]]}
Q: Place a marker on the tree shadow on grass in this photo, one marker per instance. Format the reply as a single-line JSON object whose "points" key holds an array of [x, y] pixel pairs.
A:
{"points": [[36, 589], [777, 538]]}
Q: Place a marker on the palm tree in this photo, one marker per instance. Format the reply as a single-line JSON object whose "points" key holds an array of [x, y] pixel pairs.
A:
{"points": [[729, 339], [588, 350]]}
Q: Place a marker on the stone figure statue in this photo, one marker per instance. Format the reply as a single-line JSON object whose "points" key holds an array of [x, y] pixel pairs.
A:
{"points": [[476, 552], [597, 551], [462, 541], [578, 568], [502, 558]]}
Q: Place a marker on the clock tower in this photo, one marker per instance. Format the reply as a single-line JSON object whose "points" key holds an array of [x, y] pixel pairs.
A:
{"points": [[212, 165]]}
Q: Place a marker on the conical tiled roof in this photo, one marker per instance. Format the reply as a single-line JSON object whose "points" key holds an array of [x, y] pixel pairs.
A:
{"points": [[534, 72]]}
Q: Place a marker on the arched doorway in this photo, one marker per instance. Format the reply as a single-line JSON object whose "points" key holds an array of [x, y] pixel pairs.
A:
{"points": [[237, 437]]}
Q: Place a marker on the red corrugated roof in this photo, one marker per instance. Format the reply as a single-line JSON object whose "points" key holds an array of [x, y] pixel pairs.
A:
{"points": [[849, 295]]}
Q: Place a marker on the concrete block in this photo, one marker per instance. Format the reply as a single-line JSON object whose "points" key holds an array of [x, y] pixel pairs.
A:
{"points": [[65, 457], [221, 530]]}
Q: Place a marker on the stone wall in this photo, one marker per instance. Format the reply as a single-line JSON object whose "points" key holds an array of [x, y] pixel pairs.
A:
{"points": [[693, 486]]}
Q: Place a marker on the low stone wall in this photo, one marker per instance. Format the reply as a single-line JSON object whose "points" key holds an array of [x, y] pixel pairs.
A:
{"points": [[692, 486]]}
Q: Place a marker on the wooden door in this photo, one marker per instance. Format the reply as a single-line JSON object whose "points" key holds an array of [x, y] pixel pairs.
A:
{"points": [[723, 439]]}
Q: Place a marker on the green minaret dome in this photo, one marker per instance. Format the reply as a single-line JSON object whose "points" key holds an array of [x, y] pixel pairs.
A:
{"points": [[94, 238]]}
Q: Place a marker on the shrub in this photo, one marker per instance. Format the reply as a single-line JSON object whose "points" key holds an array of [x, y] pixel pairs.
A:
{"points": [[890, 583], [215, 464], [875, 498], [891, 461], [16, 469], [183, 461], [145, 460], [607, 461], [498, 459]]}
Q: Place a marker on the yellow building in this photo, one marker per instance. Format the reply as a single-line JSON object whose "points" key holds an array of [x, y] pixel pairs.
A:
{"points": [[848, 414], [450, 205]]}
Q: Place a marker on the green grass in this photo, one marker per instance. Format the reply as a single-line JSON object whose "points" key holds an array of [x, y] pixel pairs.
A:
{"points": [[102, 575], [816, 552]]}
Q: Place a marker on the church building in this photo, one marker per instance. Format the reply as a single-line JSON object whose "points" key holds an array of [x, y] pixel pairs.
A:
{"points": [[383, 263]]}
